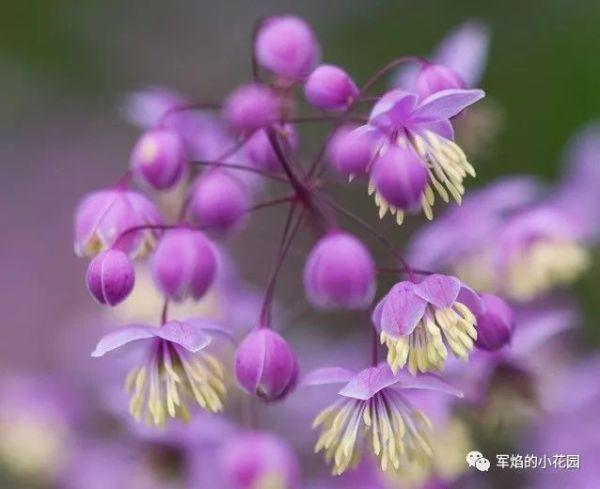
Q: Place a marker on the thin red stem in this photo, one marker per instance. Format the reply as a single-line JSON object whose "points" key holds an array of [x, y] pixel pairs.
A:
{"points": [[237, 166]]}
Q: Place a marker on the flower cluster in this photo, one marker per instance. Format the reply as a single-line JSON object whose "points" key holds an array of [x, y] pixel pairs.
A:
{"points": [[453, 289]]}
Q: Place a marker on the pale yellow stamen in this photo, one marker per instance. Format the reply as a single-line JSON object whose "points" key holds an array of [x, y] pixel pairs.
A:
{"points": [[394, 431], [543, 265], [426, 348], [163, 386]]}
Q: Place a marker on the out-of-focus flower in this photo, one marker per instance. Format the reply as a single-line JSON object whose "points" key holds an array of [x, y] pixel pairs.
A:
{"points": [[329, 281], [330, 88], [265, 365], [400, 118], [287, 47], [101, 217], [219, 202], [36, 418], [184, 264], [146, 108], [464, 51], [418, 322], [110, 277], [251, 107], [158, 158], [257, 460], [373, 408], [175, 369]]}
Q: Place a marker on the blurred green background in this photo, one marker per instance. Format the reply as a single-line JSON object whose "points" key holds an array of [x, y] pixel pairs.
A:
{"points": [[65, 66]]}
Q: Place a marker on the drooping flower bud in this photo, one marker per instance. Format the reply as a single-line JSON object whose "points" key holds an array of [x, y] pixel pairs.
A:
{"points": [[330, 88], [259, 460], [433, 78], [251, 107], [103, 217], [399, 176], [110, 277], [351, 151], [260, 150], [158, 158], [495, 323], [265, 365], [339, 273], [287, 46], [184, 264], [219, 201]]}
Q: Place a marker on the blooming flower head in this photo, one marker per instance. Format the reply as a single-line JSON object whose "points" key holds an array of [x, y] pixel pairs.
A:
{"points": [[175, 370], [372, 408], [101, 217], [537, 250], [401, 118], [418, 322]]}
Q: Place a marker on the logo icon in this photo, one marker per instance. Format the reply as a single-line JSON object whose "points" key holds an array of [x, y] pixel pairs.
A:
{"points": [[477, 460]]}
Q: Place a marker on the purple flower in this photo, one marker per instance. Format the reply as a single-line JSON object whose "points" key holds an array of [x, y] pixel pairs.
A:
{"points": [[399, 177], [110, 277], [400, 118], [265, 365], [145, 108], [339, 273], [259, 459], [372, 409], [251, 107], [260, 150], [287, 47], [435, 77], [184, 264], [537, 250], [351, 150], [158, 158], [102, 216], [418, 322], [219, 201], [175, 370], [330, 88]]}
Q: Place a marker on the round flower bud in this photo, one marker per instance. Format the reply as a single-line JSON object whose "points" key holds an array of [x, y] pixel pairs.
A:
{"points": [[330, 88], [399, 176], [287, 47], [251, 107], [433, 78], [219, 201], [351, 151], [102, 219], [110, 277], [158, 158], [258, 459], [495, 323], [339, 273], [259, 149], [265, 365], [184, 264]]}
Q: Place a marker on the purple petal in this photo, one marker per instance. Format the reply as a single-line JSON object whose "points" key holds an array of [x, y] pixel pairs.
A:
{"points": [[116, 339], [394, 107], [368, 382], [471, 299], [400, 311], [443, 128], [439, 290], [327, 375], [405, 380], [188, 334], [465, 51], [445, 104]]}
